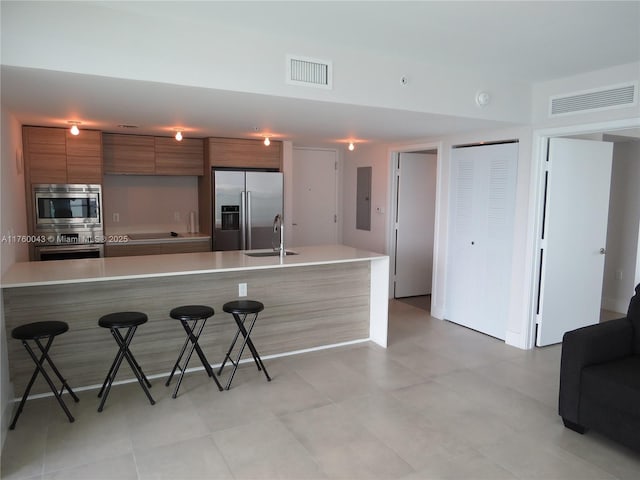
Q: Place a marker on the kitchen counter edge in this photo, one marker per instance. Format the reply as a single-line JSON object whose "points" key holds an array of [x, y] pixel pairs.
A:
{"points": [[32, 274]]}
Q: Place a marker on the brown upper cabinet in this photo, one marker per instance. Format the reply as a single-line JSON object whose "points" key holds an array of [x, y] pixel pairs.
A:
{"points": [[148, 155], [179, 158], [242, 153], [129, 154], [53, 155]]}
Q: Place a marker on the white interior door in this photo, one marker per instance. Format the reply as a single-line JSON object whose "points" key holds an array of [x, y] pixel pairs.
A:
{"points": [[314, 209], [574, 236], [415, 224], [481, 236]]}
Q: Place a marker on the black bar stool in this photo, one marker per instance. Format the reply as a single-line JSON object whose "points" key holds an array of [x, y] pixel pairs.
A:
{"points": [[130, 321], [240, 309], [36, 331], [197, 314]]}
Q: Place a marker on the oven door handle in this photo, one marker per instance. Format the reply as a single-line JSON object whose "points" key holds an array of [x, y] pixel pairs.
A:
{"points": [[66, 248]]}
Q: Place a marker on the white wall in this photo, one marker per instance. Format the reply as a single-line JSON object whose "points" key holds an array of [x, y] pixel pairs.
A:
{"points": [[591, 80], [377, 157], [79, 37], [13, 221], [623, 226], [147, 203]]}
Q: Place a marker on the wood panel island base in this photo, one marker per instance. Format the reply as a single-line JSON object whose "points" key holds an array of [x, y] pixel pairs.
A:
{"points": [[322, 297]]}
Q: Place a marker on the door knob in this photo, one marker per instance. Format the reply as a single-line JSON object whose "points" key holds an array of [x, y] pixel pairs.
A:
{"points": [[602, 251]]}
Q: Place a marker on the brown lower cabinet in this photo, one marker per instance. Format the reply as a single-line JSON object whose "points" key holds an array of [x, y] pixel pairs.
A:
{"points": [[128, 250]]}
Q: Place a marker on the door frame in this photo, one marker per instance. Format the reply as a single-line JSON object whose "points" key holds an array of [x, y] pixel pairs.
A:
{"points": [[394, 154], [536, 205]]}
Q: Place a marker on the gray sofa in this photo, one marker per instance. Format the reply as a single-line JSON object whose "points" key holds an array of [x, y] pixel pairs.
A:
{"points": [[600, 378]]}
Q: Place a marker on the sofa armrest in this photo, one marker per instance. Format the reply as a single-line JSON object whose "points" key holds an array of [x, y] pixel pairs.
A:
{"points": [[585, 346]]}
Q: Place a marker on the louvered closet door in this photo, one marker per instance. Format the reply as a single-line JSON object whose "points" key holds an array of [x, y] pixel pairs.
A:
{"points": [[481, 236]]}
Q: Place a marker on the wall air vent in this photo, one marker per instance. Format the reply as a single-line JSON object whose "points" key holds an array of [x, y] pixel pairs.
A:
{"points": [[309, 72], [617, 96]]}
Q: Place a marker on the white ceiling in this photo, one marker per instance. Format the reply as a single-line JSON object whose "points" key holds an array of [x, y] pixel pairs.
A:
{"points": [[532, 41], [528, 40], [40, 97]]}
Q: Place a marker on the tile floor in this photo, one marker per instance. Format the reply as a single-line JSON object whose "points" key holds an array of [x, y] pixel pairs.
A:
{"points": [[441, 402]]}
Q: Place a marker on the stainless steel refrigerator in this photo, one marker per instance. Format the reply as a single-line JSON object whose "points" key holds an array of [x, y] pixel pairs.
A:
{"points": [[245, 204]]}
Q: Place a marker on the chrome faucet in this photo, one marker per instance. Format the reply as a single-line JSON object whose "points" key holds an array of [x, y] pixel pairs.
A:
{"points": [[277, 225]]}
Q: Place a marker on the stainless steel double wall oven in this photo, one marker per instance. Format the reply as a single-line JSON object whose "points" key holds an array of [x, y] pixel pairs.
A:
{"points": [[68, 221]]}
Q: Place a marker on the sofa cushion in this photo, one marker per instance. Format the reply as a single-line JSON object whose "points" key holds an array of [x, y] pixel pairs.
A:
{"points": [[633, 314], [614, 384]]}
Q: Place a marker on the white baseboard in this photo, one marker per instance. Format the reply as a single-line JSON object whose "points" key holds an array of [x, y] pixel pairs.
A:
{"points": [[4, 422], [615, 304], [516, 340]]}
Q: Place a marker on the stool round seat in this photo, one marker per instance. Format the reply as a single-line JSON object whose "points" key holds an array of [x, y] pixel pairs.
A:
{"points": [[122, 319], [243, 306], [34, 330], [191, 312]]}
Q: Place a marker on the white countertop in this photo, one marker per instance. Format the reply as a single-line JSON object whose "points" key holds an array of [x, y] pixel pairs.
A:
{"points": [[27, 274]]}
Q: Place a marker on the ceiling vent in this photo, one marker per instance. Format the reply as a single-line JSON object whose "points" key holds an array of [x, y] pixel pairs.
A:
{"points": [[309, 72], [617, 96]]}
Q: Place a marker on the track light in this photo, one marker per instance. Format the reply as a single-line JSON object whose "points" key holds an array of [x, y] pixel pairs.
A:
{"points": [[267, 142], [74, 128]]}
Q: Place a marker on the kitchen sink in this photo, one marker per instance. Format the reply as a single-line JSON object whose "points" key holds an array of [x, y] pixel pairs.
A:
{"points": [[269, 253]]}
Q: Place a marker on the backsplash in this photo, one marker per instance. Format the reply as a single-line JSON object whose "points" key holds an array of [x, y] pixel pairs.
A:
{"points": [[143, 203]]}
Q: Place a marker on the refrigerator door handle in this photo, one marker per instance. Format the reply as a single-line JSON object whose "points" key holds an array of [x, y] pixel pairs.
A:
{"points": [[249, 226], [243, 220]]}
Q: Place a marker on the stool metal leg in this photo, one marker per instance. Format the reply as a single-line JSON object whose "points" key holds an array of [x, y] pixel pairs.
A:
{"points": [[193, 338], [135, 367], [241, 329], [57, 372], [177, 364], [247, 341], [124, 353], [252, 348], [227, 356], [40, 369]]}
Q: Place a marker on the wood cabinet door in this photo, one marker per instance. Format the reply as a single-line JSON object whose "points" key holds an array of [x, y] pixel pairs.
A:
{"points": [[128, 154], [45, 154], [179, 158], [241, 153], [84, 157]]}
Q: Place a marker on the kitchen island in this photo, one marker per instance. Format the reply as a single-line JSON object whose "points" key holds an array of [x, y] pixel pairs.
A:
{"points": [[322, 297]]}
